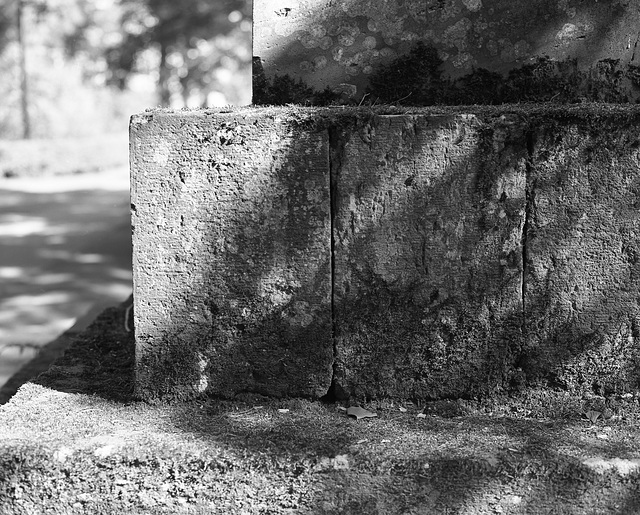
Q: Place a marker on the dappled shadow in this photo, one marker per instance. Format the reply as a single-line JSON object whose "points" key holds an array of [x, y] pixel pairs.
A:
{"points": [[65, 256], [243, 263], [582, 268], [430, 213], [397, 462], [343, 48], [431, 265]]}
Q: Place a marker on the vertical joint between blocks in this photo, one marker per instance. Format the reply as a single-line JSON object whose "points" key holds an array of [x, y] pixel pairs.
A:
{"points": [[335, 157], [528, 206]]}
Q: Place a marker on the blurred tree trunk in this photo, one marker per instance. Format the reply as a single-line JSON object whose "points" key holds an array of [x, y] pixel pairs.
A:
{"points": [[22, 63], [164, 75]]}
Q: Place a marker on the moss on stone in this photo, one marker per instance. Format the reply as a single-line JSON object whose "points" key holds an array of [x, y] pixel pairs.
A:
{"points": [[283, 90], [417, 79]]}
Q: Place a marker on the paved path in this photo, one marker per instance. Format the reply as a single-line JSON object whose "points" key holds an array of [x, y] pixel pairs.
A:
{"points": [[65, 254]]}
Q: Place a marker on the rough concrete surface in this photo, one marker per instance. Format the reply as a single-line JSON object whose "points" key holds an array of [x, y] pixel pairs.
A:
{"points": [[77, 443], [339, 45], [472, 251], [231, 242]]}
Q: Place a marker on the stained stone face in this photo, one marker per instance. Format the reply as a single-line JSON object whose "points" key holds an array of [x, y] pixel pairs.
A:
{"points": [[231, 234], [428, 254], [582, 279]]}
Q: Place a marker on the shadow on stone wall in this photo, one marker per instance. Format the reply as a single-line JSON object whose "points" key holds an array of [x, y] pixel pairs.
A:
{"points": [[582, 255], [422, 301], [428, 255], [532, 276], [430, 295], [471, 255]]}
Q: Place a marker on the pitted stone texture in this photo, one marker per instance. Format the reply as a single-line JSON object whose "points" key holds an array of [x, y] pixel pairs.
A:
{"points": [[428, 254], [339, 45], [582, 280], [231, 238]]}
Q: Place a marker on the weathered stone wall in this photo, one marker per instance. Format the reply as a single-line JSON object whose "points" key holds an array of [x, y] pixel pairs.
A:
{"points": [[407, 254], [341, 44]]}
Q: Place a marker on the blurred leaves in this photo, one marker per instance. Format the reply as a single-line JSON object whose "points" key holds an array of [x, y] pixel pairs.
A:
{"points": [[183, 35], [91, 63], [7, 21]]}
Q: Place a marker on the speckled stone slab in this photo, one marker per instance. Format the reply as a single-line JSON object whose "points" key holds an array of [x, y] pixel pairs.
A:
{"points": [[389, 253], [339, 45]]}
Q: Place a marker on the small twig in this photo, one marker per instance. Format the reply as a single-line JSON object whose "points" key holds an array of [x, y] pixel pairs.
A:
{"points": [[404, 98], [126, 318]]}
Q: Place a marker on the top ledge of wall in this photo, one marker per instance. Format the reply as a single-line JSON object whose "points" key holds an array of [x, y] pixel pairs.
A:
{"points": [[302, 113]]}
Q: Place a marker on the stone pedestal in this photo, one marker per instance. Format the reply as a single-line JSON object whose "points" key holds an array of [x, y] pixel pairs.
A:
{"points": [[392, 253]]}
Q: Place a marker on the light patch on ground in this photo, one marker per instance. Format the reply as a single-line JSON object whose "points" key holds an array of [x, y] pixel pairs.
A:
{"points": [[621, 466], [116, 179], [17, 226], [67, 247]]}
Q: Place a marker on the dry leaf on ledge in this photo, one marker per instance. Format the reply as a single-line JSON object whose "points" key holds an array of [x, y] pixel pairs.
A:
{"points": [[358, 412]]}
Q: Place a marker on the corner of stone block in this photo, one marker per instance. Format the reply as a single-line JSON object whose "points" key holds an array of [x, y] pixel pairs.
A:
{"points": [[140, 120]]}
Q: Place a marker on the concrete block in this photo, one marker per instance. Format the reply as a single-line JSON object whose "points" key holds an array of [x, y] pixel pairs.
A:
{"points": [[231, 242], [582, 279], [428, 228]]}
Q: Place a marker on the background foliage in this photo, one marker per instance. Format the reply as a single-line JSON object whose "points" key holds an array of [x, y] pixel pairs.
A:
{"points": [[91, 63]]}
